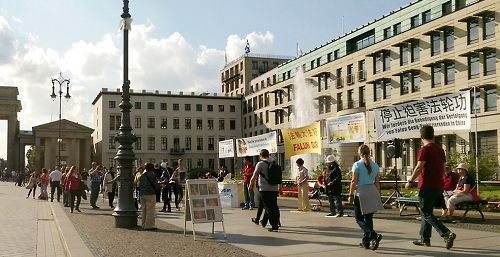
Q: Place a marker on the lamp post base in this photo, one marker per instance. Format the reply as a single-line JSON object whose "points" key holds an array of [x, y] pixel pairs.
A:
{"points": [[125, 219]]}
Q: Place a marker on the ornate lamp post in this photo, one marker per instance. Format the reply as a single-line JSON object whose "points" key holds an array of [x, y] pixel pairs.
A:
{"points": [[125, 212], [60, 81]]}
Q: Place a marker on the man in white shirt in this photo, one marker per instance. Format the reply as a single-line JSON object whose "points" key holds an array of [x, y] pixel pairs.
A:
{"points": [[55, 182]]}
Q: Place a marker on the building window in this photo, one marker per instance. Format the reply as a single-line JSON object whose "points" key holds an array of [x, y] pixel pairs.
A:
{"points": [[435, 44], [151, 143], [112, 104], [377, 64], [232, 124], [387, 89], [339, 78], [200, 163], [164, 145], [362, 96], [199, 143], [211, 143], [449, 38], [490, 63], [340, 102], [387, 33], [488, 26], [336, 54], [449, 75], [151, 122], [329, 57], [137, 105], [267, 117], [405, 83], [211, 164], [377, 93], [446, 8], [114, 122], [254, 65], [387, 61], [112, 144], [475, 100], [232, 108], [151, 105], [415, 51], [436, 75], [414, 21], [163, 124], [199, 124], [175, 107], [361, 70], [187, 146], [199, 107], [473, 62], [472, 31], [403, 55], [163, 106], [187, 107], [137, 122], [138, 143], [222, 124], [177, 145], [415, 82], [426, 16], [254, 120], [490, 99], [187, 123], [176, 123], [350, 74], [210, 108], [397, 29], [350, 100], [221, 108]]}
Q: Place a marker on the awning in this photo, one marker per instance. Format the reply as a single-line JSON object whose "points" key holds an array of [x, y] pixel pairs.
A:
{"points": [[379, 52], [406, 72]]}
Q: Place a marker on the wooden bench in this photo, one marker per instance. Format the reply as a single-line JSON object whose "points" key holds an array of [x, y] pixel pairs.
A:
{"points": [[404, 202]]}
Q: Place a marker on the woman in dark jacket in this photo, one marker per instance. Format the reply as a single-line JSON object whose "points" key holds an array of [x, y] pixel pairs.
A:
{"points": [[333, 187]]}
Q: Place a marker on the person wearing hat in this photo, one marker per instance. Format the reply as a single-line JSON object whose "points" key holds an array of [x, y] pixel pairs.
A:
{"points": [[148, 188], [465, 191], [332, 183]]}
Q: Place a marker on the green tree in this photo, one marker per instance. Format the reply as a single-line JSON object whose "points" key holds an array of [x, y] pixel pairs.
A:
{"points": [[488, 163], [30, 156]]}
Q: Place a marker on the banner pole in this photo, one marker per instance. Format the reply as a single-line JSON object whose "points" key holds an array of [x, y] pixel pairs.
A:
{"points": [[476, 143]]}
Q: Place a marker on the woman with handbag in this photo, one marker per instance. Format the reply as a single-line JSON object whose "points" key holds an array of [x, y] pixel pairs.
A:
{"points": [[33, 183], [366, 182]]}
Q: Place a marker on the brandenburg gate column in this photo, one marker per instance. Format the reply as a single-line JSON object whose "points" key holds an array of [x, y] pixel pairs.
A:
{"points": [[12, 143]]}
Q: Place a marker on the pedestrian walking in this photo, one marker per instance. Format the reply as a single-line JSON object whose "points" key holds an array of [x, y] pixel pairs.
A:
{"points": [[165, 185], [33, 183], [72, 185], [366, 183], [55, 183], [149, 186], [247, 175], [429, 170], [332, 183], [95, 184], [302, 182], [179, 179], [44, 183], [109, 185]]}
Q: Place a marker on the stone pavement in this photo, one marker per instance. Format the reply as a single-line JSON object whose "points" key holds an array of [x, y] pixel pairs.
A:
{"points": [[32, 227], [312, 234]]}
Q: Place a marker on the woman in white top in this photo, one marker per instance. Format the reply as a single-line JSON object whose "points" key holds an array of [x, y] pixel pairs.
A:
{"points": [[302, 182]]}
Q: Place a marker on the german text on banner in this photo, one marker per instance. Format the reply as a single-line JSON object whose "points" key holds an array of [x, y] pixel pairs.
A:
{"points": [[302, 140], [346, 129], [226, 148], [445, 113], [250, 146]]}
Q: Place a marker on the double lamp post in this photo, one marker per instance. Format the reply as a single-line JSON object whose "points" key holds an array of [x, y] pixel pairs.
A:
{"points": [[60, 81]]}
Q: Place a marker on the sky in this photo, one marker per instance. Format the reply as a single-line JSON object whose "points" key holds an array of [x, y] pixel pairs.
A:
{"points": [[174, 45]]}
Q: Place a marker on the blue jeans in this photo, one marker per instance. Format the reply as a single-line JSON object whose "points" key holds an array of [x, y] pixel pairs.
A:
{"points": [[365, 222], [335, 202], [94, 193], [428, 199], [249, 201]]}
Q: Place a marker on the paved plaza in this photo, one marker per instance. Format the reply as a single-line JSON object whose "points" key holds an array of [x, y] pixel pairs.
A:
{"points": [[39, 228]]}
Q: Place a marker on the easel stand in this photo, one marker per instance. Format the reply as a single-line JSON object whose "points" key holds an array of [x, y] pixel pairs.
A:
{"points": [[395, 193]]}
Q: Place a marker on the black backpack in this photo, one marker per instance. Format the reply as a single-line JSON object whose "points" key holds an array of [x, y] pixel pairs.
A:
{"points": [[274, 173]]}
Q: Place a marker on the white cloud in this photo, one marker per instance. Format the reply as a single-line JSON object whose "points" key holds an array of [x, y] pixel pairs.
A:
{"points": [[259, 43], [167, 63], [16, 19]]}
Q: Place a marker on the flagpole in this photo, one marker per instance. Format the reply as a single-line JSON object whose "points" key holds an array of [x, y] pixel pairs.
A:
{"points": [[476, 143]]}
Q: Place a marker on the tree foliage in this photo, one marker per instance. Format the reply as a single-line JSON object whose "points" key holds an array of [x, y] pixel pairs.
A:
{"points": [[488, 163], [30, 156]]}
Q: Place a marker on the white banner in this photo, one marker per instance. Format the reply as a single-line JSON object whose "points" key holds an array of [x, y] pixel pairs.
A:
{"points": [[445, 113], [226, 148], [251, 146], [346, 129]]}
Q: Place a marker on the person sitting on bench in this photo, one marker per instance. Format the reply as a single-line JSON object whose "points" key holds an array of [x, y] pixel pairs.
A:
{"points": [[465, 191], [450, 181]]}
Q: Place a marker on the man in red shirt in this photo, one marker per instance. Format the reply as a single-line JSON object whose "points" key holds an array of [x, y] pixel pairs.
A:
{"points": [[429, 170], [247, 175]]}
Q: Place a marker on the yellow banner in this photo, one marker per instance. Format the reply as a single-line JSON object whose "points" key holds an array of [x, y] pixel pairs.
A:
{"points": [[302, 140]]}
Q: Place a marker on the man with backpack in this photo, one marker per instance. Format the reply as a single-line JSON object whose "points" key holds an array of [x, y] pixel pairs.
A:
{"points": [[269, 174]]}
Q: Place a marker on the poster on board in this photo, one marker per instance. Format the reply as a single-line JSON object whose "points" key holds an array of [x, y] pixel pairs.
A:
{"points": [[226, 148], [448, 112], [346, 129], [250, 146]]}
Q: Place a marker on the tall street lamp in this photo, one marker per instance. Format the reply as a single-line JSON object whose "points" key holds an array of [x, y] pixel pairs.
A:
{"points": [[125, 212], [60, 81]]}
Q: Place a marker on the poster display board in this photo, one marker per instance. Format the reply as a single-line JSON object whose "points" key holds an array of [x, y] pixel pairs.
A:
{"points": [[202, 203], [302, 140], [346, 129], [448, 112], [250, 146], [226, 148]]}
